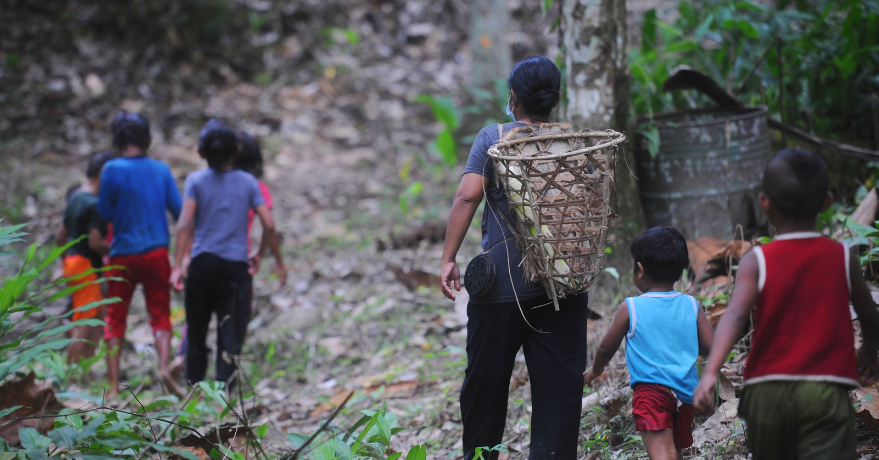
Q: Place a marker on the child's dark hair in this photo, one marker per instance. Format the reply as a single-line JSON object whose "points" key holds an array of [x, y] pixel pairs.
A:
{"points": [[250, 158], [96, 163], [796, 182], [662, 251], [217, 143], [130, 129], [536, 81]]}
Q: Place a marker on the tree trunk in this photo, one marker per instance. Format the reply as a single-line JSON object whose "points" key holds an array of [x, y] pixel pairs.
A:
{"points": [[488, 41], [594, 35]]}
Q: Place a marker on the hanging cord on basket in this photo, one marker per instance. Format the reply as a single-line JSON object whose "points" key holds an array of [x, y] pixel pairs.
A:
{"points": [[503, 233]]}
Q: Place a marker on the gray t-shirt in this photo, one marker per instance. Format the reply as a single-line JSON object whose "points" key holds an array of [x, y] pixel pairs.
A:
{"points": [[222, 202], [494, 228]]}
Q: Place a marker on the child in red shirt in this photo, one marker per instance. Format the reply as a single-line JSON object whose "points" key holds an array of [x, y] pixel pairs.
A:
{"points": [[802, 361], [249, 159]]}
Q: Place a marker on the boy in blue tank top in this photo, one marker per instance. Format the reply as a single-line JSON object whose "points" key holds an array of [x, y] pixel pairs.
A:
{"points": [[665, 332]]}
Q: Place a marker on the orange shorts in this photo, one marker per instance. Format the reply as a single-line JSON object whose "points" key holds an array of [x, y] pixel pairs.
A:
{"points": [[75, 265]]}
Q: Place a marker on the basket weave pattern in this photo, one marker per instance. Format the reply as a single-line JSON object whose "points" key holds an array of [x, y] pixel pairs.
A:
{"points": [[557, 182]]}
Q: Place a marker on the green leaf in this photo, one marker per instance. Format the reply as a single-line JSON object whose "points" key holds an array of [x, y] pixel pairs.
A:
{"points": [[9, 410], [32, 439], [29, 355], [447, 148], [417, 452], [297, 439], [443, 110], [342, 449], [648, 31], [545, 6], [612, 272]]}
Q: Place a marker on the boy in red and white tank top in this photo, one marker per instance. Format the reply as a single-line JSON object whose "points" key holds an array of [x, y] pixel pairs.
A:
{"points": [[802, 361]]}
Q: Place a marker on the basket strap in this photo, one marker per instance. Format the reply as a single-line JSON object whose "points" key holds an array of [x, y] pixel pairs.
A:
{"points": [[496, 244]]}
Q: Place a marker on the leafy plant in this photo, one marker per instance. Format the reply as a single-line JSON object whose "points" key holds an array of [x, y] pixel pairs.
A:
{"points": [[369, 437], [34, 342], [444, 111]]}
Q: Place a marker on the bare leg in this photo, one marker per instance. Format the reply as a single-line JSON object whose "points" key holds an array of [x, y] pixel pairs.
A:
{"points": [[79, 350], [660, 444], [163, 346], [114, 347]]}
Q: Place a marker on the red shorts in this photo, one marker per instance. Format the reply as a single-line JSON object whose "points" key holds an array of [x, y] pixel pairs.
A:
{"points": [[655, 408], [153, 271]]}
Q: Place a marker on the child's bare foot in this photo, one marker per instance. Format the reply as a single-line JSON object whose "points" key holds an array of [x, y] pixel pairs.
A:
{"points": [[170, 384], [177, 366]]}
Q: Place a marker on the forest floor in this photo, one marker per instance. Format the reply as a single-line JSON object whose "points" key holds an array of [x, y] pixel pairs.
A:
{"points": [[343, 141]]}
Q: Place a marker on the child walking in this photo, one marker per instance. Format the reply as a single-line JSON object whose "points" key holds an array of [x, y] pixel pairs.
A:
{"points": [[214, 221], [665, 332], [81, 220], [136, 191], [250, 160], [802, 361]]}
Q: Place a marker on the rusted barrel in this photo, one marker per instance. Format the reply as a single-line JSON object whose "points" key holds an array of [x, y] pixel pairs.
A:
{"points": [[706, 175]]}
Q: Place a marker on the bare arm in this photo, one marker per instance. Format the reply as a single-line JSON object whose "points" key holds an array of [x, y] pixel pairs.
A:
{"points": [[467, 199], [268, 234], [609, 344], [729, 330], [706, 333], [864, 306], [98, 243], [185, 233]]}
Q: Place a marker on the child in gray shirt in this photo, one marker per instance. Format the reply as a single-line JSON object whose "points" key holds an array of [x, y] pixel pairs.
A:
{"points": [[216, 202]]}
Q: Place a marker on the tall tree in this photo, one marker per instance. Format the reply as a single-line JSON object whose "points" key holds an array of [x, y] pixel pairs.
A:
{"points": [[488, 41], [594, 36]]}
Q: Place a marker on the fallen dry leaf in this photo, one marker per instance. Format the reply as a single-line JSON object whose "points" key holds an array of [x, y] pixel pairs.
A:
{"points": [[719, 426], [36, 399], [867, 406], [335, 400]]}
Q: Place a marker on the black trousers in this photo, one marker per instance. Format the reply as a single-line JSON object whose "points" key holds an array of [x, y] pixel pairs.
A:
{"points": [[222, 287], [556, 361]]}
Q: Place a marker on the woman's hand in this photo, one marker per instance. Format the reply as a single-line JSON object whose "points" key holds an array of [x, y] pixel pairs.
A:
{"points": [[177, 275], [451, 276]]}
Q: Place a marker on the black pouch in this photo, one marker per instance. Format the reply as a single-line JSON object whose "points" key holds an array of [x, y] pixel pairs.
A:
{"points": [[479, 276]]}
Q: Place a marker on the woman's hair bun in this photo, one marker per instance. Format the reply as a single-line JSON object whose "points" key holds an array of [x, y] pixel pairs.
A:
{"points": [[537, 83]]}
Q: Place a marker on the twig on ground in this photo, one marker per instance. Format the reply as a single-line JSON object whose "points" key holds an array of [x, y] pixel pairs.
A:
{"points": [[149, 420]]}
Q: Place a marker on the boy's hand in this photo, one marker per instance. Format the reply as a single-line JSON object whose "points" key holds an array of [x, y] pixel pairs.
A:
{"points": [[590, 376], [703, 397], [177, 276], [281, 271]]}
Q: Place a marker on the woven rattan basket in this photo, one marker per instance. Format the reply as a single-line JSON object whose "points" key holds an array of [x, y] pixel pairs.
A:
{"points": [[558, 184]]}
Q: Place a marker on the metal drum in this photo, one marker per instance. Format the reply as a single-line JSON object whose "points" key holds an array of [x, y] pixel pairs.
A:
{"points": [[706, 176]]}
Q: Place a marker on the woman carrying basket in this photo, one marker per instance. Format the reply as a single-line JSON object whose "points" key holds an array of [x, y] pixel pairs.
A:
{"points": [[512, 312]]}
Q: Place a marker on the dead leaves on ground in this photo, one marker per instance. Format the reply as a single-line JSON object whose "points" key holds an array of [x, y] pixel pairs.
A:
{"points": [[36, 398]]}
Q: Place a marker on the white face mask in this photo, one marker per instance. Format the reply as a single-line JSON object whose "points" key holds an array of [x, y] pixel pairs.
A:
{"points": [[509, 109]]}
